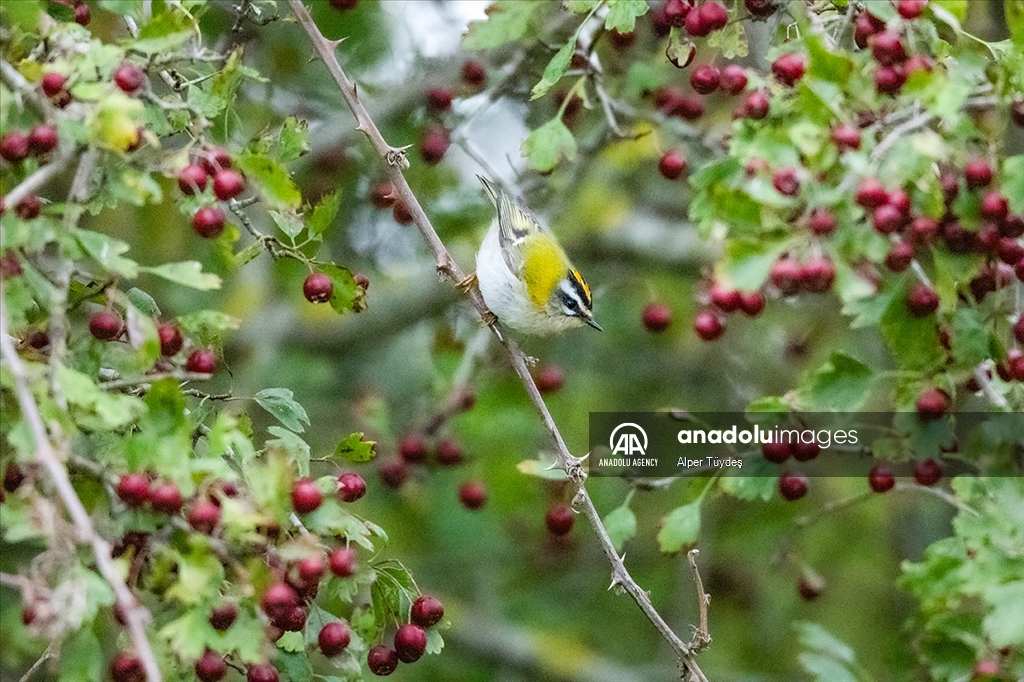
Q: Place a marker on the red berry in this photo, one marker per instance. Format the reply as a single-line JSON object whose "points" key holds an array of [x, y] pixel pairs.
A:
{"points": [[887, 48], [656, 317], [292, 621], [201, 361], [472, 495], [917, 62], [705, 79], [204, 516], [672, 164], [726, 300], [14, 146], [708, 325], [887, 219], [381, 660], [318, 288], [333, 638], [761, 9], [817, 275], [473, 74], [83, 15], [1018, 330], [776, 451], [676, 11], [9, 265], [1010, 251], [127, 667], [426, 611], [43, 139], [129, 78], [900, 200], [412, 449], [170, 339], [871, 193], [846, 136], [733, 79], [932, 404], [106, 325], [786, 276], [192, 179], [133, 489], [752, 303], [262, 672], [448, 453], [880, 478], [342, 562], [559, 519], [977, 173], [434, 144], [227, 184], [53, 83], [956, 238], [923, 230], [792, 486], [822, 222], [29, 208], [927, 472], [889, 80], [166, 499], [401, 213], [222, 617], [713, 15], [805, 452], [306, 497], [410, 643], [211, 667], [214, 160], [279, 600], [922, 300], [13, 477], [789, 68], [439, 99], [208, 222], [549, 379], [910, 9], [899, 257], [351, 487], [310, 570], [994, 207], [621, 41], [342, 5], [786, 182], [382, 195], [1013, 226], [695, 24]]}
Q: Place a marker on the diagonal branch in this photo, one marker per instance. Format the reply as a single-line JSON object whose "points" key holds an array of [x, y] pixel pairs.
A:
{"points": [[136, 616], [394, 159]]}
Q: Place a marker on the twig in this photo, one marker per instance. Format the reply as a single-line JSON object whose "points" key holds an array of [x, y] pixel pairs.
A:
{"points": [[446, 265], [150, 378], [47, 655], [701, 638], [33, 182], [136, 616], [981, 375]]}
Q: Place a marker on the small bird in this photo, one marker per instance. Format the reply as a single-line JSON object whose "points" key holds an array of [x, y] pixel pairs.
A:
{"points": [[524, 275]]}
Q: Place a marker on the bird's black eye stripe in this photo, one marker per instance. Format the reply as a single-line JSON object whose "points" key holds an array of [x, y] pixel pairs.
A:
{"points": [[579, 286]]}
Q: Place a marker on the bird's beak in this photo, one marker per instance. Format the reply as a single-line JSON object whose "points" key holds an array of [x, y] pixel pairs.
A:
{"points": [[592, 323]]}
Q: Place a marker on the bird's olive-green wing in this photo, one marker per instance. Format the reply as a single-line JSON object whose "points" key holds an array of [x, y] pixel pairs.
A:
{"points": [[515, 224]]}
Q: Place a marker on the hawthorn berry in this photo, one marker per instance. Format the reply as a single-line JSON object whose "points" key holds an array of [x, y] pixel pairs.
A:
{"points": [[201, 361], [695, 24], [439, 99], [29, 208], [228, 184], [448, 453], [166, 499], [713, 15], [410, 643], [278, 600], [932, 404], [14, 146], [334, 638], [170, 337], [1017, 112], [381, 660], [923, 230], [886, 219], [351, 487], [262, 672], [53, 83], [656, 317], [43, 139], [1013, 226], [208, 222], [733, 79], [804, 452], [204, 516], [222, 617], [726, 300], [105, 325], [382, 195], [426, 611], [401, 213], [1018, 329], [927, 472], [342, 562], [881, 478], [306, 496], [887, 48], [705, 79], [752, 303], [910, 9], [129, 78], [472, 495], [789, 68], [13, 477], [83, 15], [994, 207], [133, 489], [871, 193], [708, 325], [672, 164], [889, 80], [549, 379], [292, 621], [786, 182], [899, 257], [792, 486], [761, 9], [776, 451], [822, 222], [192, 179], [756, 106], [474, 74], [412, 448], [786, 276], [127, 667], [1010, 251], [318, 287], [559, 519], [676, 11], [922, 300], [214, 159], [211, 667], [977, 173], [434, 144], [846, 136]]}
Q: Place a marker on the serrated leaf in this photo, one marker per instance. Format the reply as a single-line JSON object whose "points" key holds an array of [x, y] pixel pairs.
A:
{"points": [[276, 186], [969, 337], [348, 296], [289, 222], [914, 341], [680, 528], [189, 635], [323, 214], [1002, 625], [758, 481], [293, 141], [80, 656], [297, 449], [280, 403], [840, 385], [199, 574], [731, 40], [107, 251], [507, 21], [163, 33], [622, 14], [114, 123], [188, 273], [545, 147], [555, 69], [582, 6], [621, 525], [331, 519], [143, 302], [355, 449]]}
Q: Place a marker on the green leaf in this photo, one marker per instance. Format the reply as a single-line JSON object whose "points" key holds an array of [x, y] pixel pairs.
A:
{"points": [[143, 302], [731, 41], [289, 222], [622, 14], [582, 6], [331, 519], [280, 403], [207, 326], [680, 528], [355, 449], [293, 140], [826, 64], [555, 69], [164, 33], [276, 186], [1002, 625], [1014, 11], [748, 261], [25, 15], [813, 637], [188, 273], [295, 666], [914, 341], [190, 634], [297, 448], [758, 481], [112, 410], [621, 525], [507, 21], [545, 147], [114, 121], [840, 385], [81, 659], [107, 251], [323, 214], [199, 573], [348, 296], [1012, 185], [969, 337]]}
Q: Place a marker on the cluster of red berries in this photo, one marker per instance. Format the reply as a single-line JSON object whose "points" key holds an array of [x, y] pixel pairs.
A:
{"points": [[383, 196], [1011, 368], [816, 275], [435, 138], [705, 79], [412, 452], [108, 325], [893, 64], [18, 145], [213, 162], [82, 13]]}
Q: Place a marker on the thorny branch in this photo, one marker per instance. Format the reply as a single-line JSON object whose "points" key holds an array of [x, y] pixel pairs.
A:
{"points": [[395, 160]]}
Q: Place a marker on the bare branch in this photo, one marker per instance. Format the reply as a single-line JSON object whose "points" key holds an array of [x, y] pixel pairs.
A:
{"points": [[447, 266]]}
